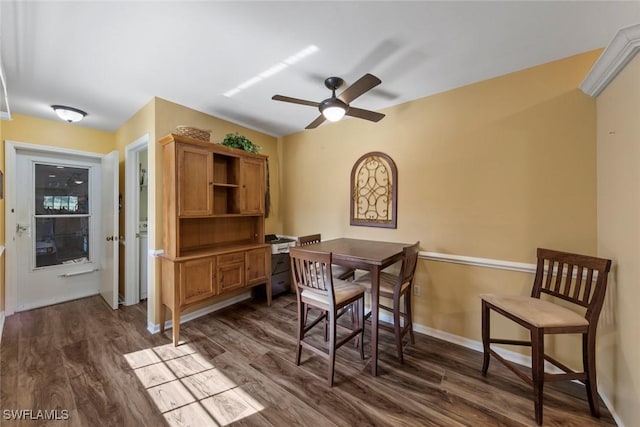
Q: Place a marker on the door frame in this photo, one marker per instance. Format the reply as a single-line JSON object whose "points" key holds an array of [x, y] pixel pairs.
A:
{"points": [[11, 264], [131, 213]]}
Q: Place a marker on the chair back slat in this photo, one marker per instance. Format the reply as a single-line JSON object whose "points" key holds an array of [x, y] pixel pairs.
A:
{"points": [[579, 283], [562, 275], [568, 281], [558, 278], [587, 287], [309, 240], [311, 270], [549, 267], [409, 263]]}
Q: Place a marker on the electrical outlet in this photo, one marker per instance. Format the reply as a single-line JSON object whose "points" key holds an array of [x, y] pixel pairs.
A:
{"points": [[416, 290]]}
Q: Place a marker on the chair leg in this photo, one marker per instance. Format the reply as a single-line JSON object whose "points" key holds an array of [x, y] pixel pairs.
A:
{"points": [[326, 331], [537, 369], [332, 346], [397, 329], [355, 321], [485, 337], [589, 362], [361, 325], [407, 309], [302, 312]]}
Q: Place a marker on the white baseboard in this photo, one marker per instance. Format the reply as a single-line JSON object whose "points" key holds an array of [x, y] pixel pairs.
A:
{"points": [[154, 328], [611, 409], [509, 355]]}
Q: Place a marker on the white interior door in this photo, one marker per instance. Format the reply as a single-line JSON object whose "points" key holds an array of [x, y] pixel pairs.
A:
{"points": [[58, 215], [109, 276]]}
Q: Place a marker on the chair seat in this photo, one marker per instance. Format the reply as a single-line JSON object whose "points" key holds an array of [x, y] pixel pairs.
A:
{"points": [[343, 291], [387, 283], [539, 313]]}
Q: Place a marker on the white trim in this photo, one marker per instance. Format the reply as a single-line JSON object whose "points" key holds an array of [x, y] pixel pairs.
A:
{"points": [[623, 47], [610, 407], [479, 262], [52, 301], [4, 115], [132, 252], [154, 328], [1, 250]]}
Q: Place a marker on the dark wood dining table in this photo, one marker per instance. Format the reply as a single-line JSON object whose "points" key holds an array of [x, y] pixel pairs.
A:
{"points": [[368, 255]]}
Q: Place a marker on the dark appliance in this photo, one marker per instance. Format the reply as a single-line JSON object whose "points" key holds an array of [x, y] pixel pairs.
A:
{"points": [[280, 264]]}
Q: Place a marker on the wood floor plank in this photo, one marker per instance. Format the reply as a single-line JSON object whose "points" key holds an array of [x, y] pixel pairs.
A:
{"points": [[41, 382], [99, 375], [236, 367], [281, 408]]}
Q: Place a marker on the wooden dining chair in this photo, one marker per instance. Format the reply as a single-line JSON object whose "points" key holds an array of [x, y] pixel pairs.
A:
{"points": [[339, 271], [397, 287], [316, 287], [577, 279]]}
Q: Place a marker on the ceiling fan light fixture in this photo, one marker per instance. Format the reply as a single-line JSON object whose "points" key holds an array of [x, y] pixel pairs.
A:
{"points": [[69, 114], [333, 109], [333, 114]]}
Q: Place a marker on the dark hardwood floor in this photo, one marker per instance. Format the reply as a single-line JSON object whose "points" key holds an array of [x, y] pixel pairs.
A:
{"points": [[97, 367]]}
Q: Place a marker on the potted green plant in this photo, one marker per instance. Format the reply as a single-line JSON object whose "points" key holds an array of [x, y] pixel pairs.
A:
{"points": [[241, 142]]}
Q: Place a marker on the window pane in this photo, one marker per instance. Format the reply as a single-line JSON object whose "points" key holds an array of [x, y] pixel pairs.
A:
{"points": [[61, 190], [62, 240]]}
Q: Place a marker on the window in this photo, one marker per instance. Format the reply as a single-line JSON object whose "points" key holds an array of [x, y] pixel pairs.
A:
{"points": [[62, 216]]}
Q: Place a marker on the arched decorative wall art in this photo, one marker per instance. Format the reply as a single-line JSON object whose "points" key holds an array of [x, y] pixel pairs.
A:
{"points": [[374, 191]]}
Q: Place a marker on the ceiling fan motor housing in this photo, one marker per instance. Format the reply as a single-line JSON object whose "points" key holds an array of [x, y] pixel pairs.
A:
{"points": [[333, 83], [333, 102]]}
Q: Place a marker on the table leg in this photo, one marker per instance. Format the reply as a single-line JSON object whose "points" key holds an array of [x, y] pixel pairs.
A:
{"points": [[375, 299]]}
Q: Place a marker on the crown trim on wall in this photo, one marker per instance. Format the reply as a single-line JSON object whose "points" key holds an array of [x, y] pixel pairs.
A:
{"points": [[620, 51]]}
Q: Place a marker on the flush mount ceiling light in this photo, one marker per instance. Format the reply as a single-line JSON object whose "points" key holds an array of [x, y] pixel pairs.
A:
{"points": [[68, 114]]}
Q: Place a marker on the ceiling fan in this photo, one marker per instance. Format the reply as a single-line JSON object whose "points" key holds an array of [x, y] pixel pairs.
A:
{"points": [[334, 108]]}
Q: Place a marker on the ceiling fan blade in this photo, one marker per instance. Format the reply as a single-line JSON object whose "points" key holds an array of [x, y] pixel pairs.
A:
{"points": [[317, 122], [365, 83], [295, 100], [364, 114]]}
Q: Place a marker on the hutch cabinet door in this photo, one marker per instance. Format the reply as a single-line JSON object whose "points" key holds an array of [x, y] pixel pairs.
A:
{"points": [[197, 280], [258, 262], [195, 181], [230, 271], [252, 183]]}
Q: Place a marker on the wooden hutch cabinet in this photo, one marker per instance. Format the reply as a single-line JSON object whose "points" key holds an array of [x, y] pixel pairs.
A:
{"points": [[213, 204]]}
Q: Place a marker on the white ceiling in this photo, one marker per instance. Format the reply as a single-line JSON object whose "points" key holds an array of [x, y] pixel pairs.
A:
{"points": [[111, 58]]}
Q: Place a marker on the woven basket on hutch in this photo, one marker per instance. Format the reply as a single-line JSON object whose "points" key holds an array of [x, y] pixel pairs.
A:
{"points": [[194, 133]]}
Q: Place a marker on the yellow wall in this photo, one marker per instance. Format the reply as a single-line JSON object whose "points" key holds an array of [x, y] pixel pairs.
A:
{"points": [[494, 170], [619, 239], [57, 134]]}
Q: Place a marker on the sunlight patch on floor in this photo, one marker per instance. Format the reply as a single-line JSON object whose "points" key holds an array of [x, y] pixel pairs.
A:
{"points": [[188, 389]]}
